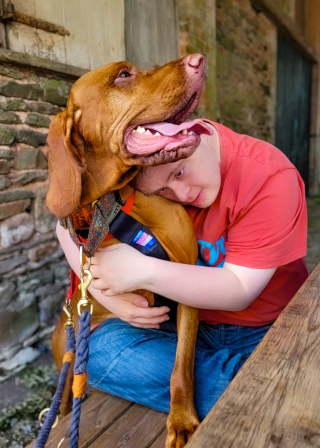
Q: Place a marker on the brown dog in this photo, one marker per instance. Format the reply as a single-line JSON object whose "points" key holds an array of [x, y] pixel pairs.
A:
{"points": [[94, 148]]}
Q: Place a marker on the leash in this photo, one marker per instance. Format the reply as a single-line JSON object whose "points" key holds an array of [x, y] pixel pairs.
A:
{"points": [[81, 358], [82, 353], [52, 418]]}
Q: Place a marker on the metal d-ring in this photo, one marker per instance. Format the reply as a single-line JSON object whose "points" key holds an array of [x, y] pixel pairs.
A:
{"points": [[68, 310], [61, 441], [42, 414]]}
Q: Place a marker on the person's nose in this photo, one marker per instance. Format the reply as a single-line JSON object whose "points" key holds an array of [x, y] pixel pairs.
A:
{"points": [[182, 193]]}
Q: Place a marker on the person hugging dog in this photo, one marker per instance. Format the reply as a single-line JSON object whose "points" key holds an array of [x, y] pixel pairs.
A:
{"points": [[247, 204]]}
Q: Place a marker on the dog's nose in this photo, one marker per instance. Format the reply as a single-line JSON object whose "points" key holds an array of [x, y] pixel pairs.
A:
{"points": [[195, 61]]}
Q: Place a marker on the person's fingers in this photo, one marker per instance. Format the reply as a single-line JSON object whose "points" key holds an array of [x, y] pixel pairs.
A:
{"points": [[149, 312], [135, 299], [147, 315], [95, 271], [151, 320]]}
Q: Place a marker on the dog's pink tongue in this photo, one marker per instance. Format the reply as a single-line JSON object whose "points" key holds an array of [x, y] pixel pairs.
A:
{"points": [[169, 129]]}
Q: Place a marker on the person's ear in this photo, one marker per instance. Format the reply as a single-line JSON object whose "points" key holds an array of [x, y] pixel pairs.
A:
{"points": [[66, 162]]}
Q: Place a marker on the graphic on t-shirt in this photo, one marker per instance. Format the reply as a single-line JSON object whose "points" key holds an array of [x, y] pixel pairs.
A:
{"points": [[211, 254]]}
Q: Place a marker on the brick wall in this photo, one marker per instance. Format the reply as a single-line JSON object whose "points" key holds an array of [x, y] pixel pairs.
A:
{"points": [[197, 35], [33, 272], [246, 69]]}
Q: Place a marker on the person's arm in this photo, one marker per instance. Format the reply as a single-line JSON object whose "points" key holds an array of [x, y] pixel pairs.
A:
{"points": [[129, 307], [120, 268]]}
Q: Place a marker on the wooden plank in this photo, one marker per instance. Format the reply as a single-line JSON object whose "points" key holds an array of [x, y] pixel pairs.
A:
{"points": [[274, 399], [28, 60], [35, 42], [75, 16], [115, 26], [160, 441], [100, 15], [22, 38], [98, 413], [51, 46], [137, 428], [24, 6], [35, 23], [49, 10], [286, 26]]}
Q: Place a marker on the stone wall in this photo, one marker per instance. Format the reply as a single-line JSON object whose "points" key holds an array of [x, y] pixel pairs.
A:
{"points": [[197, 34], [246, 69], [33, 272]]}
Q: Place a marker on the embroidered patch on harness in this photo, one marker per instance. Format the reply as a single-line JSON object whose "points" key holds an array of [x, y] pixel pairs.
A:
{"points": [[144, 239]]}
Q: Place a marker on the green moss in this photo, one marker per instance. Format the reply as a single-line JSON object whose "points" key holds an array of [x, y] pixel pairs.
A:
{"points": [[37, 376], [19, 422]]}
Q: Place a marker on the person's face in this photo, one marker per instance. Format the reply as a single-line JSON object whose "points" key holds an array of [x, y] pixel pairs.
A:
{"points": [[193, 181]]}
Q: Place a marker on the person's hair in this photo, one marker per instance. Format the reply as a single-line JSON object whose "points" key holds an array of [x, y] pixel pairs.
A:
{"points": [[134, 183]]}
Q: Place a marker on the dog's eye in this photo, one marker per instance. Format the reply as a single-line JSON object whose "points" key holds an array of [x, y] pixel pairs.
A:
{"points": [[125, 75]]}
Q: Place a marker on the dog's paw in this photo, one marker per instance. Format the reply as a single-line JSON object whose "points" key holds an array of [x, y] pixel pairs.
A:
{"points": [[181, 427]]}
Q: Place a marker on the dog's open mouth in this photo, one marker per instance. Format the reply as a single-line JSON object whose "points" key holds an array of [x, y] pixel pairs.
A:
{"points": [[165, 142]]}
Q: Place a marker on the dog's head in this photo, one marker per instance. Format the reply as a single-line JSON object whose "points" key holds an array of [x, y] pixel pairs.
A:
{"points": [[102, 138]]}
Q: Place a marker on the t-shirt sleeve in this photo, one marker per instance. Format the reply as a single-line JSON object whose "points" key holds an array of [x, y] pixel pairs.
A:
{"points": [[271, 230]]}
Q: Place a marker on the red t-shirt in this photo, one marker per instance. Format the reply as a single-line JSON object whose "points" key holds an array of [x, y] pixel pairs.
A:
{"points": [[259, 220]]}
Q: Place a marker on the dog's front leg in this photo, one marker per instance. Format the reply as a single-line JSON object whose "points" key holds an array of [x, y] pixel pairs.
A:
{"points": [[183, 420]]}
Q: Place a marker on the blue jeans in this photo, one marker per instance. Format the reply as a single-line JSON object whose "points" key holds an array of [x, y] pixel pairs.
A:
{"points": [[136, 363]]}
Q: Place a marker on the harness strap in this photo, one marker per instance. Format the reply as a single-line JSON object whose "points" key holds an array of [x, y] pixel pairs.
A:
{"points": [[132, 232]]}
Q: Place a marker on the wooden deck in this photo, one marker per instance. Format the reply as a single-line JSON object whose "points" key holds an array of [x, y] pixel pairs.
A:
{"points": [[274, 401], [108, 421]]}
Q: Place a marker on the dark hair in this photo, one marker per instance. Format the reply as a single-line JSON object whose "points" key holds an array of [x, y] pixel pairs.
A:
{"points": [[134, 183]]}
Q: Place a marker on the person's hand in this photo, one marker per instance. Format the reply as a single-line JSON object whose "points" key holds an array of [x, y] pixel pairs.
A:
{"points": [[118, 269], [134, 309]]}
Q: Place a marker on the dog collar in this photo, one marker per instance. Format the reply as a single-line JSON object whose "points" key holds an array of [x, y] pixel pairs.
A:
{"points": [[92, 222]]}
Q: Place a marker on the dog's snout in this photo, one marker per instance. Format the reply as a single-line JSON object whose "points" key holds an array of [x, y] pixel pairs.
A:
{"points": [[195, 61]]}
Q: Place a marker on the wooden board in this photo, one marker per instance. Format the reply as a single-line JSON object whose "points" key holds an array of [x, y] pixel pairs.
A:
{"points": [[77, 50], [98, 413], [108, 421], [96, 30], [137, 428], [160, 441], [274, 401]]}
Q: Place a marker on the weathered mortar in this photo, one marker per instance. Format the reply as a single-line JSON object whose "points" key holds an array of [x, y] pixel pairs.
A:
{"points": [[33, 272], [246, 69]]}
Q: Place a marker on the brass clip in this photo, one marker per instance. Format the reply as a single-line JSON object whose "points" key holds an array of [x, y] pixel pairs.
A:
{"points": [[83, 286], [68, 310], [82, 274]]}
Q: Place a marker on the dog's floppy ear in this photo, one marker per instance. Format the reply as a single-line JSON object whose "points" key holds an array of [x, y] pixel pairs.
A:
{"points": [[66, 163]]}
